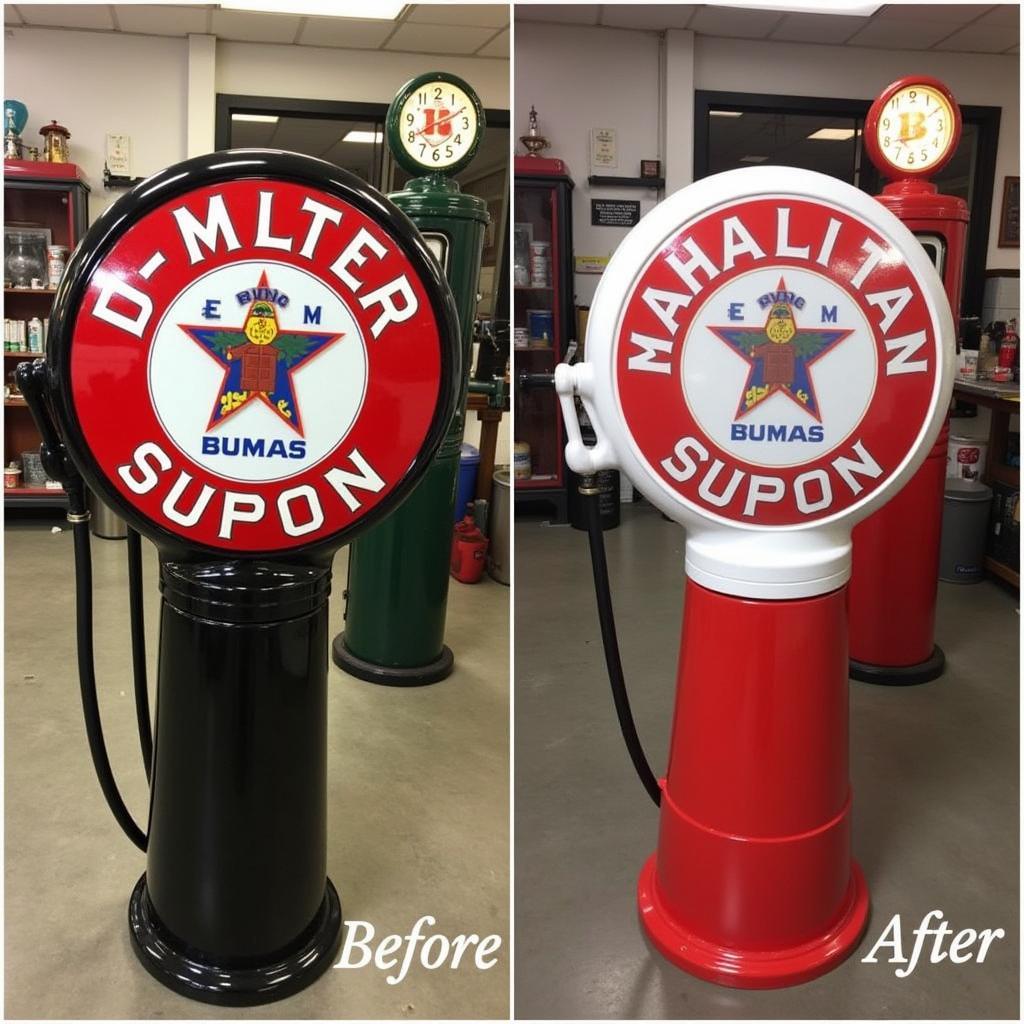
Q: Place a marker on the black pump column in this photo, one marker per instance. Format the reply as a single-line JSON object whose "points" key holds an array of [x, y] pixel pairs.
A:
{"points": [[253, 358]]}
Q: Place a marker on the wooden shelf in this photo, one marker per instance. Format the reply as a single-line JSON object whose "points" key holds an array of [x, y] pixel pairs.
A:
{"points": [[35, 497], [1003, 571], [534, 288], [611, 181], [15, 403], [30, 291], [23, 354]]}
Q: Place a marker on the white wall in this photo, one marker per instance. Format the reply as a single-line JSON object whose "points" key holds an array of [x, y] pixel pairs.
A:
{"points": [[580, 78], [94, 83]]}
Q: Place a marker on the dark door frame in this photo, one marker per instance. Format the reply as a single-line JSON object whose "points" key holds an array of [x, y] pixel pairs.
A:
{"points": [[985, 119]]}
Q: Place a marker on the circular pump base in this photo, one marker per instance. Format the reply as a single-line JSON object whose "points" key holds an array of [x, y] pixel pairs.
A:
{"points": [[243, 983], [383, 675], [900, 675], [752, 969]]}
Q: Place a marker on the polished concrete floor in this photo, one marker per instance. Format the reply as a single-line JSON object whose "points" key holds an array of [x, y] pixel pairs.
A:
{"points": [[935, 779], [418, 807]]}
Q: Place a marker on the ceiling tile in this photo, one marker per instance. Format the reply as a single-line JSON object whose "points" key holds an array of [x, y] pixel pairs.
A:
{"points": [[67, 15], [569, 14], [1003, 15], [497, 47], [817, 28], [161, 20], [975, 39], [346, 32], [900, 35], [647, 16], [438, 38], [11, 16], [255, 28], [931, 14], [480, 15], [735, 23]]}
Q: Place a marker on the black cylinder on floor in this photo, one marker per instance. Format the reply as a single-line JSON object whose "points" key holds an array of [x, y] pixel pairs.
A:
{"points": [[235, 906]]}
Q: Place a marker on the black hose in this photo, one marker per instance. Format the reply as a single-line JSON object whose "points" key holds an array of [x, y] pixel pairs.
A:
{"points": [[606, 616], [78, 516], [138, 630]]}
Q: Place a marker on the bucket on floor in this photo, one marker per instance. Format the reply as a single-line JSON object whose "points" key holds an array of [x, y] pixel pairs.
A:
{"points": [[964, 531], [104, 522], [499, 527], [465, 490]]}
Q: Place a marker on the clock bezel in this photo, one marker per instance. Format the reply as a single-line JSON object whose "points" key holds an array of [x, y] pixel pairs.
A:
{"points": [[394, 130], [874, 150]]}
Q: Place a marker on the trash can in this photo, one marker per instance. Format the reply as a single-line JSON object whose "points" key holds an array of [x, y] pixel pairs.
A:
{"points": [[465, 489], [964, 529], [498, 560], [105, 523]]}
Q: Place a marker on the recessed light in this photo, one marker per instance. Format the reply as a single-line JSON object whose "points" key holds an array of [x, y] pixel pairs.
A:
{"points": [[753, 159], [833, 134], [726, 113], [356, 135], [259, 118], [367, 10]]}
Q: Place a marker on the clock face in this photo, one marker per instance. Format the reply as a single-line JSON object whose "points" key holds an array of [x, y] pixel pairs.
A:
{"points": [[438, 125], [916, 129]]}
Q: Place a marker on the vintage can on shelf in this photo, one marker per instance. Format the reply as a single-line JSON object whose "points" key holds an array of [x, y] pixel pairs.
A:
{"points": [[35, 335], [56, 260], [966, 458], [521, 463]]}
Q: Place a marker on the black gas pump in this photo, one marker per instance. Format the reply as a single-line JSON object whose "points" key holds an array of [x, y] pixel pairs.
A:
{"points": [[253, 358]]}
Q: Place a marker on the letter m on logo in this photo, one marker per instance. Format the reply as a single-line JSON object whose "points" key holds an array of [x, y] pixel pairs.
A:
{"points": [[311, 316], [829, 314]]}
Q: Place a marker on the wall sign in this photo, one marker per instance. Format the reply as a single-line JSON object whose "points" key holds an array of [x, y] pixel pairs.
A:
{"points": [[603, 149], [614, 213]]}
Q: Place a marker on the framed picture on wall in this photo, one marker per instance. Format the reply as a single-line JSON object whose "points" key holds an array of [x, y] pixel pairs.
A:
{"points": [[1009, 214]]}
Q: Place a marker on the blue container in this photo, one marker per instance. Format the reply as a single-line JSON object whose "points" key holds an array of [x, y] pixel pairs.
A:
{"points": [[465, 490]]}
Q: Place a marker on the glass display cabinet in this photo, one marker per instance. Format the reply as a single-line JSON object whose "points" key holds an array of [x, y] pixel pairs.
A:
{"points": [[542, 327]]}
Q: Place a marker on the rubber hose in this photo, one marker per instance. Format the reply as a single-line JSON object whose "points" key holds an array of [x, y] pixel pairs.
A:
{"points": [[610, 640], [87, 669], [138, 630]]}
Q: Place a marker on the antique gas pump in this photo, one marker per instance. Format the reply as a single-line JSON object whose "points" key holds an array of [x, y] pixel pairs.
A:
{"points": [[911, 133], [253, 357], [397, 592], [769, 358]]}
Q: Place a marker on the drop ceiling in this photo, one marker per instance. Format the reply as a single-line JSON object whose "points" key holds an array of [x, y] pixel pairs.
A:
{"points": [[469, 30], [958, 28]]}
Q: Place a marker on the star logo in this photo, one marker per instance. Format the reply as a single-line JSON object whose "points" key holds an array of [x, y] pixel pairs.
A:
{"points": [[259, 361], [781, 356]]}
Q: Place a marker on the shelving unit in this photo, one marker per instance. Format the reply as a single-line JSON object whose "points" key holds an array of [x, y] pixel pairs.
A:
{"points": [[1004, 401], [53, 196]]}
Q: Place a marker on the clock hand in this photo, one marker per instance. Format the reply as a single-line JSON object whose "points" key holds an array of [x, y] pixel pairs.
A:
{"points": [[443, 120]]}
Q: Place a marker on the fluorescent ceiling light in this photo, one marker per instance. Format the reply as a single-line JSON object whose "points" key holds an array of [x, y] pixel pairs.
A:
{"points": [[726, 113], [367, 10], [356, 135], [753, 159], [260, 118], [833, 134], [856, 8]]}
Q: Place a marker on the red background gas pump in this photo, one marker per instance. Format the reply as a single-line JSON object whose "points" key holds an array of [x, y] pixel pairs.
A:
{"points": [[896, 551]]}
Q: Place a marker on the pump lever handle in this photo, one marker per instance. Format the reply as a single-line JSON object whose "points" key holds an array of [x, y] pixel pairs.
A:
{"points": [[34, 382]]}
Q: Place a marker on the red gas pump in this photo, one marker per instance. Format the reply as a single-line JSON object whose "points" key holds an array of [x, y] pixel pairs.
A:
{"points": [[912, 131], [769, 359]]}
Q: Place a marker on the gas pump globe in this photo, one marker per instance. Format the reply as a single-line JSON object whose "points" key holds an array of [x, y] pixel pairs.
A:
{"points": [[911, 132], [769, 360], [253, 358]]}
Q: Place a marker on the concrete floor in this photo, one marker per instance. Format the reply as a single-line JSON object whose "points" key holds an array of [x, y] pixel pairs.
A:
{"points": [[935, 774], [418, 806]]}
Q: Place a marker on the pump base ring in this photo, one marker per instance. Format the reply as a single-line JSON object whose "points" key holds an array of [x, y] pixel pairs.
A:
{"points": [[186, 971], [384, 675], [752, 969], [900, 675]]}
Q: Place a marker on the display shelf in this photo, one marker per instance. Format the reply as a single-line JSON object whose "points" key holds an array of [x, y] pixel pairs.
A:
{"points": [[30, 291], [35, 497], [23, 354], [611, 181], [15, 403]]}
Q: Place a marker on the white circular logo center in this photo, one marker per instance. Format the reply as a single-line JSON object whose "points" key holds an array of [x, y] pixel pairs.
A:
{"points": [[779, 366], [257, 371]]}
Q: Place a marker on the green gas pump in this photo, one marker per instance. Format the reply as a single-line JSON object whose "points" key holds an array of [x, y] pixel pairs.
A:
{"points": [[397, 594]]}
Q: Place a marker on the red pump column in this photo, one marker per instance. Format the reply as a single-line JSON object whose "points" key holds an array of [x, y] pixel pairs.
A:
{"points": [[767, 361], [894, 585]]}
